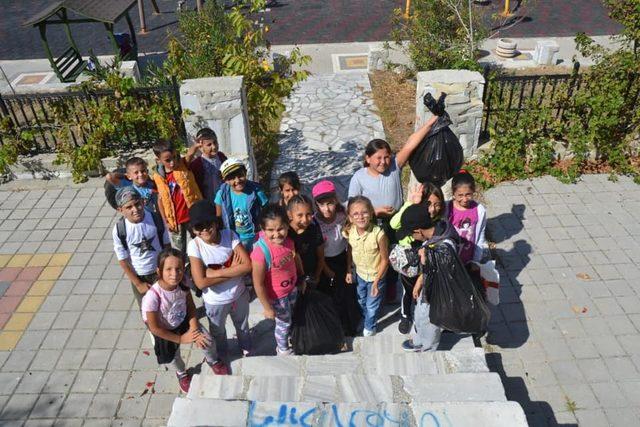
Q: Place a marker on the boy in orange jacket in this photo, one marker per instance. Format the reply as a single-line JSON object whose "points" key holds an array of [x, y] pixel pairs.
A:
{"points": [[177, 189]]}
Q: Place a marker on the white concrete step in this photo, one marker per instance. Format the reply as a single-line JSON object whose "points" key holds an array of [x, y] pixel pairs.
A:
{"points": [[464, 387], [212, 412], [392, 343], [439, 362]]}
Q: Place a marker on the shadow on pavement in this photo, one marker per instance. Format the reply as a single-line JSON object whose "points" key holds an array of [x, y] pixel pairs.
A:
{"points": [[538, 413], [508, 327]]}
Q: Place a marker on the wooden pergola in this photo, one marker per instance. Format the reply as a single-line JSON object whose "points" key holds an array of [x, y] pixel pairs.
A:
{"points": [[70, 64]]}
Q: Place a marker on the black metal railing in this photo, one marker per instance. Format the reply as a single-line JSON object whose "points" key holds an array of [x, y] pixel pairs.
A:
{"points": [[506, 93], [38, 115]]}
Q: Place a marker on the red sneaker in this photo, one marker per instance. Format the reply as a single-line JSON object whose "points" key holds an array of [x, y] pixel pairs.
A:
{"points": [[185, 382], [220, 368]]}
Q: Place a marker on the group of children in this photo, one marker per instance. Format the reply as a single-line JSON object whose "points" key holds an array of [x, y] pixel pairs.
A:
{"points": [[237, 238]]}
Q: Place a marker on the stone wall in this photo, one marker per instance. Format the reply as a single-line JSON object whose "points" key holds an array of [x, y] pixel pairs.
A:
{"points": [[463, 103], [219, 103]]}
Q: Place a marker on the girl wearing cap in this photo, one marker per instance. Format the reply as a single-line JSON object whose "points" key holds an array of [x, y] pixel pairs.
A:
{"points": [[239, 202], [331, 217]]}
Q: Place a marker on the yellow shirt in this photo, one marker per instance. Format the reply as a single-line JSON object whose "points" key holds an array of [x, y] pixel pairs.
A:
{"points": [[365, 251]]}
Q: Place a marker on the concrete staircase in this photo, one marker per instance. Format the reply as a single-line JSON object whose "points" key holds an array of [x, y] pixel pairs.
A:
{"points": [[375, 384]]}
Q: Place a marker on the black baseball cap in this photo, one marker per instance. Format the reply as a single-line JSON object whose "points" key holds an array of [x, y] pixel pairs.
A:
{"points": [[413, 218]]}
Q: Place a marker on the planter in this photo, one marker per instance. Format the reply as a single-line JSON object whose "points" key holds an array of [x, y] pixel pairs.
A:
{"points": [[506, 48]]}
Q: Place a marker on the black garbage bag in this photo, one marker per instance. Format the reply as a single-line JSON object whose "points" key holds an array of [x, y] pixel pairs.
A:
{"points": [[456, 304], [316, 327], [440, 154]]}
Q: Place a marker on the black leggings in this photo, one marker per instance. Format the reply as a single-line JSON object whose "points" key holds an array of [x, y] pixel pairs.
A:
{"points": [[407, 296]]}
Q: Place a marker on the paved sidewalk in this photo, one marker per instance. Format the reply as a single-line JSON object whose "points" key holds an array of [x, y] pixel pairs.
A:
{"points": [[566, 336]]}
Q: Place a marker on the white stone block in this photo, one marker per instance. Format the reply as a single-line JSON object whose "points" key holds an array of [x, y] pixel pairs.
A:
{"points": [[365, 414], [279, 389], [485, 414], [475, 387], [208, 412], [365, 388], [283, 414], [216, 387]]}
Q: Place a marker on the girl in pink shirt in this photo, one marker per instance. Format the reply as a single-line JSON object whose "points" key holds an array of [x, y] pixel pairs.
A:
{"points": [[276, 267], [169, 312], [468, 217]]}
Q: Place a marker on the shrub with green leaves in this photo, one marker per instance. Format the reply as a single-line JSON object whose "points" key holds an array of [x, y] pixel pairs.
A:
{"points": [[441, 34], [216, 42]]}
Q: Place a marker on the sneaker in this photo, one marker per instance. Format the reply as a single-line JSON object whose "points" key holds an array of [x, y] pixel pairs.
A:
{"points": [[246, 353], [287, 352], [368, 333], [220, 368], [185, 381], [405, 325], [409, 346]]}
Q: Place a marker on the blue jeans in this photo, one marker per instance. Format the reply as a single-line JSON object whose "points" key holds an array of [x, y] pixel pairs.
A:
{"points": [[369, 305]]}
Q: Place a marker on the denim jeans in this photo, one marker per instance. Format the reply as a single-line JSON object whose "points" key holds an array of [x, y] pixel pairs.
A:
{"points": [[424, 332], [239, 312], [369, 305]]}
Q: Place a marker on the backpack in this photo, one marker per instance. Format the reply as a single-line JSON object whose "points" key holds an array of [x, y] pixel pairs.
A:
{"points": [[405, 260], [110, 190], [121, 229], [265, 250]]}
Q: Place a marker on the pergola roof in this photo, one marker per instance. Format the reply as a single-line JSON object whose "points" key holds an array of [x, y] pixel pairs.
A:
{"points": [[108, 11]]}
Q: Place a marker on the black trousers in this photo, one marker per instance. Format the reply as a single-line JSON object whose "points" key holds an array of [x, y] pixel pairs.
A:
{"points": [[407, 296]]}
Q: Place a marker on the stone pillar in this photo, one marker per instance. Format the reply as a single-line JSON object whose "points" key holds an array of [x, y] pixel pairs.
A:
{"points": [[220, 103], [463, 103]]}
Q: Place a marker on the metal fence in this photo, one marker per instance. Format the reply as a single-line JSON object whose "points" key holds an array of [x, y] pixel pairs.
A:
{"points": [[515, 93], [38, 115]]}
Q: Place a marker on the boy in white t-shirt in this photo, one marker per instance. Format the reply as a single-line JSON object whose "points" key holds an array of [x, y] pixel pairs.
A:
{"points": [[138, 237], [219, 263]]}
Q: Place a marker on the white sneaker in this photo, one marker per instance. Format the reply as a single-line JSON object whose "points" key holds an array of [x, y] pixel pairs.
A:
{"points": [[287, 352], [367, 333]]}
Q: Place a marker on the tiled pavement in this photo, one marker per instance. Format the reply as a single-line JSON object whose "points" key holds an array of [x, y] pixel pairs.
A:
{"points": [[295, 22], [566, 334], [565, 337]]}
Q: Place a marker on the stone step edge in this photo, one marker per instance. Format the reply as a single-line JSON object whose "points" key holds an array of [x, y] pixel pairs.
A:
{"points": [[402, 388], [242, 413], [444, 360]]}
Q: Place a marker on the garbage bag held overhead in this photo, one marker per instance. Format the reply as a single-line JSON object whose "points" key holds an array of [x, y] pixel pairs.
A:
{"points": [[440, 154], [316, 327], [456, 304]]}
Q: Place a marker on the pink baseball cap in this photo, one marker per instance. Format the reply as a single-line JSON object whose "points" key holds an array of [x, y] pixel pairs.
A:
{"points": [[323, 188]]}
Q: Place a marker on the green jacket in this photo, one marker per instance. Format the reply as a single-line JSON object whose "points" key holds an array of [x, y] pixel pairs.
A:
{"points": [[396, 222]]}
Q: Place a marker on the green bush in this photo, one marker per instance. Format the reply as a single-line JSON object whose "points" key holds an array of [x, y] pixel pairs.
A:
{"points": [[441, 34], [216, 42]]}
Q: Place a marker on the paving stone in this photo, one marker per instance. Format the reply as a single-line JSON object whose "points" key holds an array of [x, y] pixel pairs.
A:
{"points": [[32, 382], [591, 417], [160, 406], [71, 359], [18, 407], [103, 406], [609, 395], [594, 370], [76, 405], [45, 360], [18, 361], [87, 382], [97, 359], [47, 406], [134, 407]]}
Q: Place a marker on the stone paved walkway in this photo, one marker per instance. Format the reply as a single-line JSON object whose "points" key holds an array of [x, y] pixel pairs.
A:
{"points": [[566, 336], [328, 121]]}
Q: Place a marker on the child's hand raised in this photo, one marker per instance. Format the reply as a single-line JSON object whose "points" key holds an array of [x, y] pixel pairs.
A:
{"points": [[415, 194]]}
